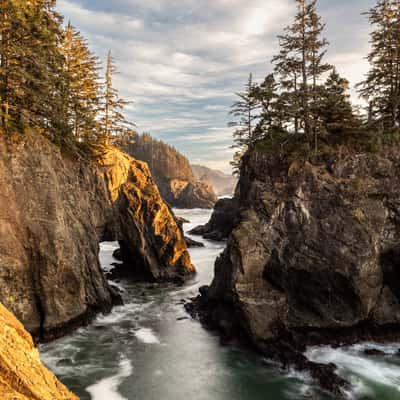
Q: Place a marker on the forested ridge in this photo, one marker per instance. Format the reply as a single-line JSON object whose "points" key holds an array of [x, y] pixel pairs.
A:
{"points": [[303, 108], [164, 160]]}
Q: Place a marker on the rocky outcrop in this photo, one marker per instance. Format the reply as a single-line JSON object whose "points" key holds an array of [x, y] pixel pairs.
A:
{"points": [[315, 256], [187, 194], [223, 184], [22, 375], [172, 172], [54, 210], [223, 220]]}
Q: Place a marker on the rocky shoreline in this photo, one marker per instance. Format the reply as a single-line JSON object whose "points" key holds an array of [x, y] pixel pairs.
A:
{"points": [[311, 259]]}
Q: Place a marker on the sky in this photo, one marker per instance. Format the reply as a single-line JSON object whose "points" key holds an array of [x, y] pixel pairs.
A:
{"points": [[182, 61]]}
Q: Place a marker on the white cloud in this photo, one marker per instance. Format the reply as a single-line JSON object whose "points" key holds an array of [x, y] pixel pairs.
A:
{"points": [[182, 60]]}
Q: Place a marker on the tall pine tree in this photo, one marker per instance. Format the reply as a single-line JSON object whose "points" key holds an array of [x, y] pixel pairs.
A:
{"points": [[30, 66], [81, 87], [245, 110], [382, 85], [300, 66], [114, 124]]}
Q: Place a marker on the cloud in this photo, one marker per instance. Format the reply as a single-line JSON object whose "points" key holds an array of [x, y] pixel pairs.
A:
{"points": [[181, 61]]}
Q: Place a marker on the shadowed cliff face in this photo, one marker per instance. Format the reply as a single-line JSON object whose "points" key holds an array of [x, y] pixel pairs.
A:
{"points": [[316, 249], [53, 213], [23, 377]]}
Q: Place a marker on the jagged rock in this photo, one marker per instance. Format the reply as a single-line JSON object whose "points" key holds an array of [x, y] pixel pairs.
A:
{"points": [[223, 220], [188, 194], [192, 243], [117, 254], [23, 377], [374, 352], [181, 221], [54, 210], [314, 257], [172, 172]]}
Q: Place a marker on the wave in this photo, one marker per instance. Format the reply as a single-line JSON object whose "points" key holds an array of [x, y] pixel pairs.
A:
{"points": [[107, 389], [146, 335]]}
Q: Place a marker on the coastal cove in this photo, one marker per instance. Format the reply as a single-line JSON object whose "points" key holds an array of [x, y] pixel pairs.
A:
{"points": [[149, 348]]}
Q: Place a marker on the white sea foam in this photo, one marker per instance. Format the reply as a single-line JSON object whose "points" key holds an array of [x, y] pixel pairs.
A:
{"points": [[146, 335], [351, 361], [107, 389]]}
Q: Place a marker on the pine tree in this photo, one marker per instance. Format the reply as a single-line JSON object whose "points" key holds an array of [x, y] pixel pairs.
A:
{"points": [[288, 68], [300, 66], [81, 88], [114, 124], [382, 85], [30, 65], [266, 96], [335, 107], [245, 109]]}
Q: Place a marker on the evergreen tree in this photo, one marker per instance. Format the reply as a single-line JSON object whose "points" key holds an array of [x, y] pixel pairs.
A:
{"points": [[266, 96], [382, 85], [81, 88], [335, 107], [245, 109], [300, 65], [113, 121], [30, 65], [288, 68]]}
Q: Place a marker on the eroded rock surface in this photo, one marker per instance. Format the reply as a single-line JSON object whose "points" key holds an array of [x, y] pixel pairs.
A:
{"points": [[53, 213], [22, 375], [223, 220], [172, 172], [315, 256]]}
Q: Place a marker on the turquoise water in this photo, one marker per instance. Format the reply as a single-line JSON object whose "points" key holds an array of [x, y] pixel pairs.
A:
{"points": [[149, 349]]}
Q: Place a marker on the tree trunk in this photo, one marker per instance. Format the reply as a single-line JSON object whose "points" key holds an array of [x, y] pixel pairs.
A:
{"points": [[304, 74]]}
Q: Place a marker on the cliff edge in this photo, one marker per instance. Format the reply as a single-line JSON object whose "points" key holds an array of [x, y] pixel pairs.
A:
{"points": [[54, 211], [314, 256]]}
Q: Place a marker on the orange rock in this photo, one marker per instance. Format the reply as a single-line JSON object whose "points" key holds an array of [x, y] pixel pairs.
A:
{"points": [[22, 375]]}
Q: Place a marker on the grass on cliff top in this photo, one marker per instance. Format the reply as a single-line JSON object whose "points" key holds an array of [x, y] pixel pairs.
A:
{"points": [[298, 147]]}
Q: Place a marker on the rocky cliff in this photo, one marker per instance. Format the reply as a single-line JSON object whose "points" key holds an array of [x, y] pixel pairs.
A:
{"points": [[223, 220], [22, 375], [54, 210], [314, 257], [172, 173], [223, 184]]}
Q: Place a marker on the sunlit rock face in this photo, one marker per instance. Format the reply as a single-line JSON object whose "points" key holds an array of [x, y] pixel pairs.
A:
{"points": [[172, 173], [316, 249], [54, 210], [224, 184], [23, 377], [188, 194]]}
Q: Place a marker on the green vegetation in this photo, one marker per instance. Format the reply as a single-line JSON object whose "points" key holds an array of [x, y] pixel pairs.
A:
{"points": [[303, 110], [165, 161], [50, 82]]}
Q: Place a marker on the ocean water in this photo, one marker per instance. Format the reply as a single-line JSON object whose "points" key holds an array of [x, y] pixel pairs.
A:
{"points": [[150, 349]]}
